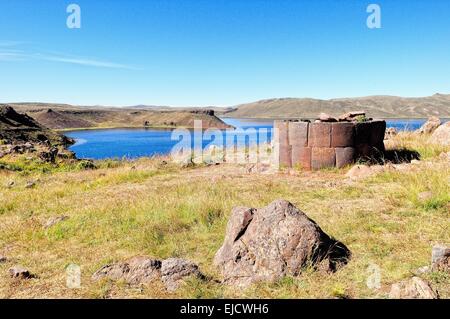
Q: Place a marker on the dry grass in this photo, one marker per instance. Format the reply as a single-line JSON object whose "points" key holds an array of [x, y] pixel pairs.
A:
{"points": [[144, 208]]}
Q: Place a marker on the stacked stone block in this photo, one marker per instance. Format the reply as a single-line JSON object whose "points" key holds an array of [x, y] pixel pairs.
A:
{"points": [[327, 144]]}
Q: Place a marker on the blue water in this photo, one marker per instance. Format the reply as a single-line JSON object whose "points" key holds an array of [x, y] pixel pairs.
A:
{"points": [[134, 143]]}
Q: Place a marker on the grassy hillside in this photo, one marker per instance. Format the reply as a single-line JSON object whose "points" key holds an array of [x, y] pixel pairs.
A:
{"points": [[148, 207], [58, 116], [375, 106]]}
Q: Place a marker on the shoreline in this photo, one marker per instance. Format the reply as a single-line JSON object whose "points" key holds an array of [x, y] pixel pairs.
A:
{"points": [[444, 119], [132, 127], [296, 118]]}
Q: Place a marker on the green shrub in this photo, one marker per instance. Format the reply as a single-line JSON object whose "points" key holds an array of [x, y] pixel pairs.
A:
{"points": [[85, 165]]}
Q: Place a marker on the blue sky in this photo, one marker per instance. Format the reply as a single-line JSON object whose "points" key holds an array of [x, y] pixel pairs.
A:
{"points": [[220, 52]]}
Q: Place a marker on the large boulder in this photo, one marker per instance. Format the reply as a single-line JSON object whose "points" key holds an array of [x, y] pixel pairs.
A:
{"points": [[441, 135], [430, 125], [268, 243]]}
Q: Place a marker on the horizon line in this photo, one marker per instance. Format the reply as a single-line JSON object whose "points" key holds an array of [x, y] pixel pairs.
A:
{"points": [[226, 106]]}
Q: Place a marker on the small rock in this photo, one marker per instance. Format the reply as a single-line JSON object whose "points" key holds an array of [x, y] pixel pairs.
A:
{"points": [[415, 288], [415, 162], [430, 125], [3, 259], [55, 220], [423, 270], [440, 258], [359, 171], [350, 116], [49, 155], [30, 184], [19, 272], [11, 183], [323, 117]]}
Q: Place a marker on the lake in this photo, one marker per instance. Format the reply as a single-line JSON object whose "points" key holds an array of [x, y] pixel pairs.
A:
{"points": [[139, 142]]}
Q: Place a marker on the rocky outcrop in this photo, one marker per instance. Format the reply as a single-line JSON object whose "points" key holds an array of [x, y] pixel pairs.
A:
{"points": [[41, 151], [414, 288], [441, 135], [21, 134], [16, 128], [268, 243], [205, 112], [143, 270], [430, 125]]}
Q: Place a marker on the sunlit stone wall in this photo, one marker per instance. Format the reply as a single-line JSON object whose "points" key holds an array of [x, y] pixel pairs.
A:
{"points": [[324, 144]]}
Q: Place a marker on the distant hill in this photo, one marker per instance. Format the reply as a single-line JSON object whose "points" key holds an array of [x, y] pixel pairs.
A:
{"points": [[16, 127], [62, 116], [59, 120], [375, 106], [216, 109]]}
